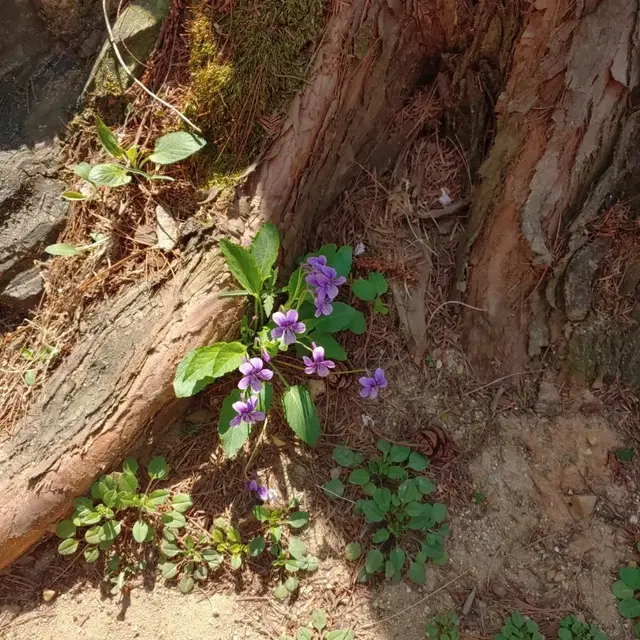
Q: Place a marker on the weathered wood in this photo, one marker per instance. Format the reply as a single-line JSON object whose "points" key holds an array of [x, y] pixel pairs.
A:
{"points": [[116, 385]]}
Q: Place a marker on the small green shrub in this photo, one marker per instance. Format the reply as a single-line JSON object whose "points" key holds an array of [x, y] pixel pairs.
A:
{"points": [[625, 590], [317, 628], [395, 501], [443, 627], [519, 627], [572, 628]]}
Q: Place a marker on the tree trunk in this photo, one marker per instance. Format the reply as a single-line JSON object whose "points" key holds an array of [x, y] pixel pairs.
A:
{"points": [[116, 386]]}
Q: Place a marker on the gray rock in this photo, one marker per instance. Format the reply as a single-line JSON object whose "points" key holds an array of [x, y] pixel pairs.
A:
{"points": [[549, 402], [579, 277], [24, 291], [135, 33]]}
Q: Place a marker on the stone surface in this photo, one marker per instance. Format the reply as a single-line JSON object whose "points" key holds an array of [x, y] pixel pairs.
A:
{"points": [[24, 291], [579, 277], [583, 506], [549, 402]]}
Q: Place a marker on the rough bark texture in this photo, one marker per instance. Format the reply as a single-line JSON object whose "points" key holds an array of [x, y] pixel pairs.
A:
{"points": [[116, 386], [559, 118]]}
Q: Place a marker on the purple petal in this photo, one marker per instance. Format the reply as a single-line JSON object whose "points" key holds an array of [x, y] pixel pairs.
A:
{"points": [[257, 416], [310, 370], [328, 272], [277, 332], [307, 361], [373, 392], [330, 363], [366, 382], [246, 367], [365, 392], [256, 385], [288, 337], [265, 356], [252, 485], [265, 374], [257, 364], [252, 403], [331, 291], [263, 493], [279, 318], [240, 407], [236, 421], [244, 383], [318, 353], [299, 327], [312, 279], [339, 280], [322, 369], [292, 316]]}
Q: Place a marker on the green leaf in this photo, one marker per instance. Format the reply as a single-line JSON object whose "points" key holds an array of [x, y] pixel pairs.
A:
{"points": [[297, 548], [369, 488], [332, 348], [372, 511], [201, 572], [157, 468], [374, 561], [62, 250], [65, 529], [181, 502], [131, 465], [334, 488], [291, 584], [363, 290], [417, 461], [176, 146], [173, 520], [399, 453], [340, 634], [396, 473], [353, 551], [67, 547], [140, 531], [630, 576], [83, 169], [109, 175], [408, 492], [425, 486], [319, 619], [628, 608], [232, 439], [276, 534], [341, 262], [621, 590], [303, 633], [281, 592], [339, 319], [187, 584], [382, 497], [416, 573], [397, 558], [127, 481], [381, 535], [202, 366], [110, 498], [257, 546], [379, 282], [110, 530], [344, 456], [383, 446], [300, 413], [358, 323], [30, 377], [108, 139], [243, 266], [359, 477], [268, 301], [265, 247], [73, 196], [439, 512], [159, 496], [93, 535], [298, 519], [91, 554], [625, 455], [169, 549], [212, 558]]}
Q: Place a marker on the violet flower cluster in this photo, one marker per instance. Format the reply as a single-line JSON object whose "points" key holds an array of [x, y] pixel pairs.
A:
{"points": [[325, 282]]}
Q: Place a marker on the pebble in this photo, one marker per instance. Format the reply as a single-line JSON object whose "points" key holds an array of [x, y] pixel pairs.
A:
{"points": [[584, 505], [48, 595]]}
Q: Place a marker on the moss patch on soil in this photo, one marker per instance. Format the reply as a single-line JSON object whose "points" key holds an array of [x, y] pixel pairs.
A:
{"points": [[247, 61]]}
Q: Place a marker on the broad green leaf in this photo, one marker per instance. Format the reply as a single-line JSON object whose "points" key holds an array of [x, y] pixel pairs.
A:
{"points": [[202, 366], [372, 511], [281, 592], [397, 558], [232, 439], [93, 535], [341, 262], [340, 634], [67, 547], [65, 529], [363, 289], [110, 530], [127, 481], [353, 551], [108, 139], [358, 323], [379, 282], [236, 561], [243, 266], [621, 590], [374, 561], [408, 492], [298, 519], [157, 468], [439, 512], [276, 534], [62, 250], [417, 461], [109, 175], [173, 520], [257, 546], [383, 446], [399, 453], [30, 377], [297, 548], [176, 146], [382, 497], [91, 554], [265, 247], [339, 319], [630, 576], [159, 496], [625, 455], [415, 509], [82, 505], [425, 486], [140, 531], [359, 477], [110, 498], [332, 349], [334, 488], [181, 502], [186, 584], [169, 549], [344, 456], [304, 633], [131, 465], [212, 558], [396, 473], [628, 608], [300, 414], [291, 584], [381, 535], [319, 619], [201, 572], [83, 169], [73, 196], [416, 573]]}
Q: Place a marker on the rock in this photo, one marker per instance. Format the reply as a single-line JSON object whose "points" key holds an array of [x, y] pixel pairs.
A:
{"points": [[24, 291], [135, 33], [579, 277], [48, 595], [549, 402], [166, 228], [583, 505]]}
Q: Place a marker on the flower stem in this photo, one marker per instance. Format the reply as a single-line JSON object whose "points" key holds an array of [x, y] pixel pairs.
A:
{"points": [[282, 378], [258, 443]]}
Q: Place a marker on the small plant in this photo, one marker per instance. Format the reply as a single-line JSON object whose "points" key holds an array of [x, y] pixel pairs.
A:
{"points": [[479, 497], [119, 519], [396, 503], [317, 629], [626, 591], [519, 627], [67, 250], [308, 316], [625, 454], [37, 359], [169, 149], [572, 628], [371, 290], [443, 627]]}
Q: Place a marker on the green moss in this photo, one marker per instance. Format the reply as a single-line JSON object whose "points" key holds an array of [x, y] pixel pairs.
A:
{"points": [[246, 64]]}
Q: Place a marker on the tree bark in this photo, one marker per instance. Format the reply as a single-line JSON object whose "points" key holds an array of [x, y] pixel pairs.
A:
{"points": [[116, 386]]}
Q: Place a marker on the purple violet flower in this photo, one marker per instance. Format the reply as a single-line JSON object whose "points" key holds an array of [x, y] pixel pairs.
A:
{"points": [[252, 485], [315, 263], [323, 307], [254, 374], [325, 281], [265, 355], [246, 411], [317, 363], [370, 386], [287, 326]]}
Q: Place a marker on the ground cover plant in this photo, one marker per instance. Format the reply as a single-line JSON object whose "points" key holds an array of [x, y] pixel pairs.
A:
{"points": [[572, 628], [317, 629], [519, 627], [443, 627], [626, 591]]}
